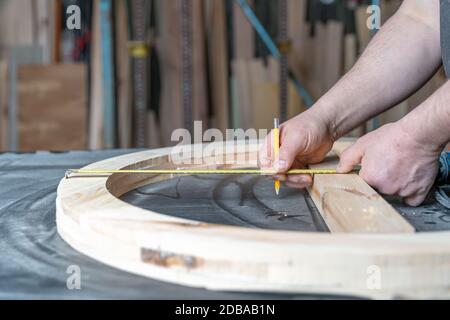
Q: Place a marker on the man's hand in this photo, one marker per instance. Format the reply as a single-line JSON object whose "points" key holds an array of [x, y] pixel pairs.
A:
{"points": [[394, 162], [305, 139]]}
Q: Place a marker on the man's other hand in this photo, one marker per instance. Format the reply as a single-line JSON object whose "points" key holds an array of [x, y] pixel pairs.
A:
{"points": [[394, 163]]}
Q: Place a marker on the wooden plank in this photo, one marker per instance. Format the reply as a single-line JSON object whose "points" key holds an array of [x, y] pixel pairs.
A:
{"points": [[17, 56], [15, 31], [124, 106], [265, 94], [96, 92], [51, 26], [243, 89], [235, 117], [350, 205], [333, 53], [265, 97], [44, 31], [169, 51], [243, 35], [57, 29], [108, 81], [295, 105], [200, 90], [320, 46], [350, 58], [154, 132], [218, 62], [50, 116], [350, 51]]}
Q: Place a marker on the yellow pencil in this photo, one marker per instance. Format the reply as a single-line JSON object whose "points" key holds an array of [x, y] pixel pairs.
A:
{"points": [[276, 148]]}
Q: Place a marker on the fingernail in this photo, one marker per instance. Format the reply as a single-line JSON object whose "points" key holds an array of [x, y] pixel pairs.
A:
{"points": [[280, 165]]}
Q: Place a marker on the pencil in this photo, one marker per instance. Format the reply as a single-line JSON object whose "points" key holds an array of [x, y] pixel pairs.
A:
{"points": [[276, 148]]}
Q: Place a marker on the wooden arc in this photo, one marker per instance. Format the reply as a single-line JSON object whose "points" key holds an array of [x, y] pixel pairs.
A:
{"points": [[371, 250]]}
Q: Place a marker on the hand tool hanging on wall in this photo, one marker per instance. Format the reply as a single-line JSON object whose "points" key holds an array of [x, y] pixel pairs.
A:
{"points": [[186, 60], [139, 53], [323, 11], [271, 46], [267, 13], [154, 71], [109, 101], [283, 46]]}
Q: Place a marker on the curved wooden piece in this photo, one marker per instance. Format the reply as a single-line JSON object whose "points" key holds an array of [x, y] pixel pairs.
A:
{"points": [[92, 219]]}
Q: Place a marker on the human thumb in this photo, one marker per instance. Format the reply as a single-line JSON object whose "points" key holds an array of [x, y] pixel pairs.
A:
{"points": [[289, 150], [349, 159]]}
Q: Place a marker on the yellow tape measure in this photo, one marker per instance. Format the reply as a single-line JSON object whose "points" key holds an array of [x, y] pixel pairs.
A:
{"points": [[196, 171]]}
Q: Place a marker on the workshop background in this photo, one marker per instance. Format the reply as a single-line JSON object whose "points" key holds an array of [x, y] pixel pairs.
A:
{"points": [[135, 71], [138, 69]]}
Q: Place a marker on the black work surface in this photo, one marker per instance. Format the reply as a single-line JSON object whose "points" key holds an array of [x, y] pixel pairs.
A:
{"points": [[34, 259]]}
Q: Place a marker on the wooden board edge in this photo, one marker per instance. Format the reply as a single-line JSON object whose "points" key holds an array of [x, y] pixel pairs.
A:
{"points": [[348, 204]]}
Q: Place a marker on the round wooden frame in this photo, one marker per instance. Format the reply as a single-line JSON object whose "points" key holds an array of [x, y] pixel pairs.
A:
{"points": [[94, 221]]}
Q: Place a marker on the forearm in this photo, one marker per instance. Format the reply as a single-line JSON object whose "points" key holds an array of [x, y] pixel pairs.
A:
{"points": [[429, 123], [400, 58]]}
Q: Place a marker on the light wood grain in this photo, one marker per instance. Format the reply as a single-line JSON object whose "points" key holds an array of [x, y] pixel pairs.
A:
{"points": [[92, 220], [123, 75], [350, 205]]}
